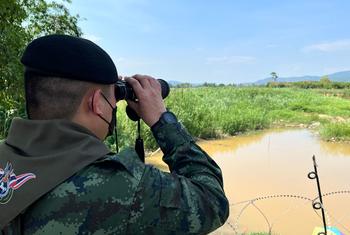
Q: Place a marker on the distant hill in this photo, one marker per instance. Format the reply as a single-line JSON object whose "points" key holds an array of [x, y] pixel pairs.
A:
{"points": [[343, 76], [174, 83], [340, 76]]}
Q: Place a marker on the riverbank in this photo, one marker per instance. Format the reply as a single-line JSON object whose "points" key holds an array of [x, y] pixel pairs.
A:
{"points": [[217, 112]]}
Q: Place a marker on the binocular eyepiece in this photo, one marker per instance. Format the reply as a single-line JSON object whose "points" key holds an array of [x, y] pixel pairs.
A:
{"points": [[123, 90]]}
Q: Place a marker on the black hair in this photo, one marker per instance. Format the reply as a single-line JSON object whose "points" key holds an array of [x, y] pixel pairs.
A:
{"points": [[54, 97]]}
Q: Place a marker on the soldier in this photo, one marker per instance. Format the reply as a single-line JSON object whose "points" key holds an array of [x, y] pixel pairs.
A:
{"points": [[58, 177]]}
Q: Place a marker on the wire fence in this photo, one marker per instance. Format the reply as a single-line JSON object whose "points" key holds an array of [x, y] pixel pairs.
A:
{"points": [[252, 203], [316, 204]]}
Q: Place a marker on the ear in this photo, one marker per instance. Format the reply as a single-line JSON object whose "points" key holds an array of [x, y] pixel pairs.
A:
{"points": [[96, 102]]}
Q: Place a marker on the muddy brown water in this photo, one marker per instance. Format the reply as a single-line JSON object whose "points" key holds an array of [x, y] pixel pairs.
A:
{"points": [[277, 163]]}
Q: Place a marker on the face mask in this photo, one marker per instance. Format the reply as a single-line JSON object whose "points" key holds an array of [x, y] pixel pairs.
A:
{"points": [[111, 125]]}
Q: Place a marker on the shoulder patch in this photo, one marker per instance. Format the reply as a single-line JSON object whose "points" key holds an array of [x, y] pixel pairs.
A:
{"points": [[9, 182]]}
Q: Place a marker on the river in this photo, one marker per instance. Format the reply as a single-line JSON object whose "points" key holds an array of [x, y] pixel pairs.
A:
{"points": [[273, 165]]}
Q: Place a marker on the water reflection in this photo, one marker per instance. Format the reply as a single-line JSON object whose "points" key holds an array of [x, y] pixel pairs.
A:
{"points": [[339, 149], [277, 163]]}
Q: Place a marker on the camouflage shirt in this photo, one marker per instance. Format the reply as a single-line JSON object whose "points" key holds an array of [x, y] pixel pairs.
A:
{"points": [[119, 194]]}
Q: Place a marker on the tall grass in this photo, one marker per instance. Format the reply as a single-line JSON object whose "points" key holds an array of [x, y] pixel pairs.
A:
{"points": [[213, 112], [336, 131], [218, 111]]}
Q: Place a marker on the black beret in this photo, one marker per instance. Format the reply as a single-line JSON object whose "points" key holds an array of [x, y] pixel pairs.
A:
{"points": [[69, 57]]}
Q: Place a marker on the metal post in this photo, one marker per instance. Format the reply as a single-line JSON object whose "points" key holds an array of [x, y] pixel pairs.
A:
{"points": [[318, 205]]}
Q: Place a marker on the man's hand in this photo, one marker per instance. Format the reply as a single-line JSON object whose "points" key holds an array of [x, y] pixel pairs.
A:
{"points": [[150, 103]]}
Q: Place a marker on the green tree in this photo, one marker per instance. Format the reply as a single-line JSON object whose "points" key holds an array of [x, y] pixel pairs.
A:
{"points": [[274, 76], [325, 82], [20, 22], [325, 79]]}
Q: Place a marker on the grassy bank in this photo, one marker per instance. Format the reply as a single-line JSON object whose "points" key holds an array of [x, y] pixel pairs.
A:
{"points": [[336, 131], [214, 112], [219, 111]]}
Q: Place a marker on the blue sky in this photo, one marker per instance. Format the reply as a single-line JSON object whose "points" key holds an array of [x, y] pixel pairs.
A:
{"points": [[223, 41]]}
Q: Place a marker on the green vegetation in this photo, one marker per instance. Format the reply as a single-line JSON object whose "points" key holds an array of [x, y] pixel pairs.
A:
{"points": [[20, 22], [214, 112], [343, 93], [324, 83], [336, 131]]}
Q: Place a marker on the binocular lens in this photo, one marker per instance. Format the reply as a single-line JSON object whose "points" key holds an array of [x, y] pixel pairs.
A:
{"points": [[123, 91]]}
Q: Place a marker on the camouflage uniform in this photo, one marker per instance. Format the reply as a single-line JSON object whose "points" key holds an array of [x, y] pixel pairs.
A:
{"points": [[118, 194]]}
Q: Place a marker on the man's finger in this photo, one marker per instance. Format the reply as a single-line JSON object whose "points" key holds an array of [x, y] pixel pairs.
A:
{"points": [[155, 84], [143, 81], [135, 84]]}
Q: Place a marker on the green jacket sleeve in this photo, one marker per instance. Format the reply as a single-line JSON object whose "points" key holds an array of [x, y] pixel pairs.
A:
{"points": [[190, 199]]}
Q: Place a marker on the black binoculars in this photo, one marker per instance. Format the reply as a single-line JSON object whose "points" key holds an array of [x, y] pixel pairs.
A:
{"points": [[123, 90]]}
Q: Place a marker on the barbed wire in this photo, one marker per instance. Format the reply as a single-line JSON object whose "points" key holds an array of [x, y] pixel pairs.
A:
{"points": [[251, 202]]}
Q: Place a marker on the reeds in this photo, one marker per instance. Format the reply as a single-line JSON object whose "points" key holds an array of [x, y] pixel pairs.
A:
{"points": [[214, 112]]}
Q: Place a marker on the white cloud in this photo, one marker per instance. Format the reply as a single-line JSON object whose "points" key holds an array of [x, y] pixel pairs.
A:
{"points": [[92, 37], [230, 60], [330, 46]]}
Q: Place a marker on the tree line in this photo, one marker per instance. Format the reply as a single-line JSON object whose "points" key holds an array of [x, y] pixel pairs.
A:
{"points": [[323, 83]]}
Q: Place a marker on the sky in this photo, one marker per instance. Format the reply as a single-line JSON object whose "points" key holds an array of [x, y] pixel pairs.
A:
{"points": [[222, 41]]}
